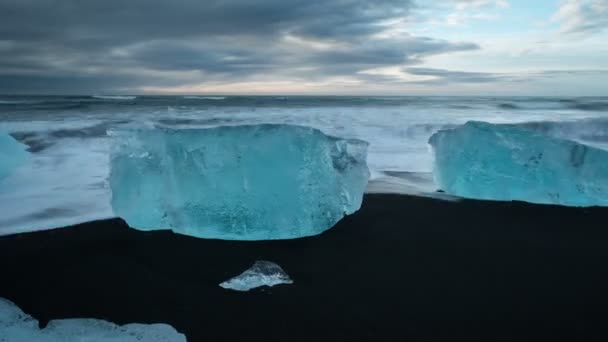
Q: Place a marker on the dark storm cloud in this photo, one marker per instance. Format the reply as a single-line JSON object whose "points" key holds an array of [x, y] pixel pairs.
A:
{"points": [[86, 45], [134, 19], [220, 58]]}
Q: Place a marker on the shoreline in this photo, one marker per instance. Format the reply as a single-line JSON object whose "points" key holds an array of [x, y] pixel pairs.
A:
{"points": [[402, 267]]}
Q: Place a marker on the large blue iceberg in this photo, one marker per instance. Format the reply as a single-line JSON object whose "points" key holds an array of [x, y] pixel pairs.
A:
{"points": [[505, 162], [12, 154], [253, 182]]}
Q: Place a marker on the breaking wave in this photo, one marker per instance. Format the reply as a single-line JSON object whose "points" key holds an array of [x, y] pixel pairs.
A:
{"points": [[581, 104], [418, 130], [38, 141], [509, 106]]}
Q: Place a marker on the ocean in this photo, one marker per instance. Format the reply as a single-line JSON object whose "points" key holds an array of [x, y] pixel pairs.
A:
{"points": [[69, 137]]}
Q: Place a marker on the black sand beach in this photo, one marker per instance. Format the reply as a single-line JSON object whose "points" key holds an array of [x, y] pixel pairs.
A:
{"points": [[401, 269]]}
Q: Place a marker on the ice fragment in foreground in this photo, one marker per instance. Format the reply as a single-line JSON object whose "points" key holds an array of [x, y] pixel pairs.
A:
{"points": [[16, 326], [262, 273], [12, 154], [242, 182], [505, 162]]}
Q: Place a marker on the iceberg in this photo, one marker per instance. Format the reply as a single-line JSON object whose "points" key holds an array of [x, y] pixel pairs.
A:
{"points": [[262, 273], [506, 162], [16, 326], [252, 182], [12, 154]]}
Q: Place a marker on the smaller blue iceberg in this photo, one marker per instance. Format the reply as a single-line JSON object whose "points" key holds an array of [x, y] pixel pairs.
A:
{"points": [[17, 326], [255, 182], [506, 162], [12, 154]]}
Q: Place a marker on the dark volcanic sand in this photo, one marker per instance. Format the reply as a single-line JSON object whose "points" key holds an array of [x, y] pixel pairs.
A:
{"points": [[401, 269]]}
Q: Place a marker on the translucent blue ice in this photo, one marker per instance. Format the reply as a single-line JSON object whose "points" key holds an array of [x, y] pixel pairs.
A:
{"points": [[251, 182], [12, 154], [262, 273], [505, 162], [16, 326]]}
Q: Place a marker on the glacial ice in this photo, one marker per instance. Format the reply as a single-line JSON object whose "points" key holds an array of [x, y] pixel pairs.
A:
{"points": [[16, 326], [12, 154], [252, 182], [262, 273], [506, 162]]}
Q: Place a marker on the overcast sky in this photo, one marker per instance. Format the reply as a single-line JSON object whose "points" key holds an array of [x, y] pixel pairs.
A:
{"points": [[389, 47]]}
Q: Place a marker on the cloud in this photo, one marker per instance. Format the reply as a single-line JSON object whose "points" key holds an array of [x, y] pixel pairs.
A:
{"points": [[582, 17], [76, 45], [476, 4], [443, 76], [464, 12]]}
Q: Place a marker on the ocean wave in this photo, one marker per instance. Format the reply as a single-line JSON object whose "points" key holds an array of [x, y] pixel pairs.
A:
{"points": [[196, 122], [216, 98], [459, 106], [509, 106], [22, 102], [35, 141], [581, 104], [114, 97], [426, 130], [33, 107], [38, 141], [590, 106], [12, 102]]}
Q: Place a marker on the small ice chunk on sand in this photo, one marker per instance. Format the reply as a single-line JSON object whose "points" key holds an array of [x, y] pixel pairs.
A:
{"points": [[262, 273]]}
